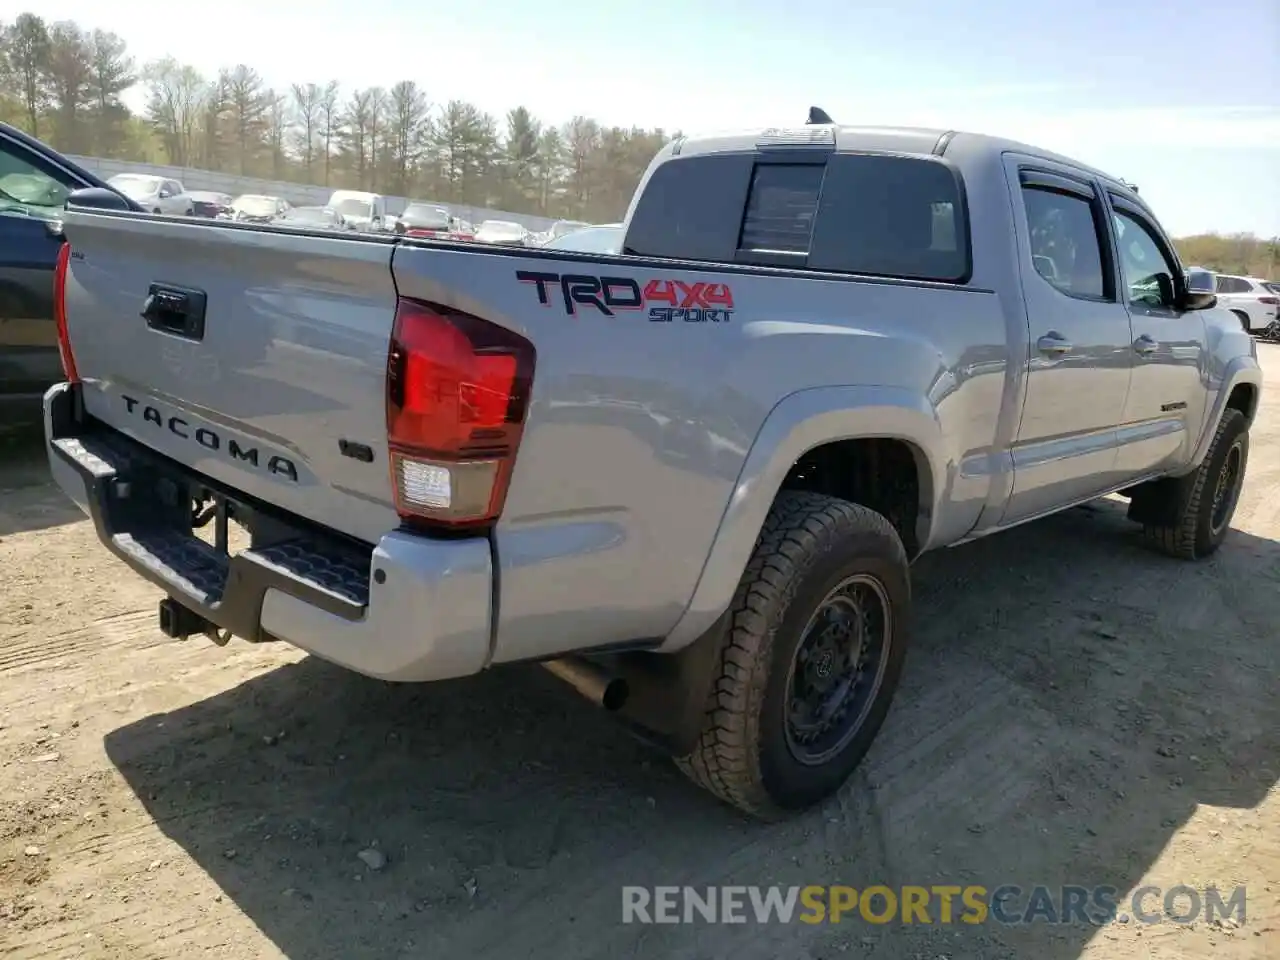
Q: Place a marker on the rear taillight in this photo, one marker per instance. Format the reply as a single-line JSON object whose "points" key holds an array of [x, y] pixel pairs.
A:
{"points": [[1270, 301], [457, 393], [60, 269]]}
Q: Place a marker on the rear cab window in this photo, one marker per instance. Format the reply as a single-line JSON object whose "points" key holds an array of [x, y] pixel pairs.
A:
{"points": [[879, 215]]}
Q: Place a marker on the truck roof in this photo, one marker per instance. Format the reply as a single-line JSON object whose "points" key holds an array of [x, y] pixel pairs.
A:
{"points": [[889, 139]]}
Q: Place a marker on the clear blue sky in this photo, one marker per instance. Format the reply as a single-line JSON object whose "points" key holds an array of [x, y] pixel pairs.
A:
{"points": [[1181, 98]]}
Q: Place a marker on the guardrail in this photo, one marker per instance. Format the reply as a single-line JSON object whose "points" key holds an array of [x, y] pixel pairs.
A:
{"points": [[299, 194]]}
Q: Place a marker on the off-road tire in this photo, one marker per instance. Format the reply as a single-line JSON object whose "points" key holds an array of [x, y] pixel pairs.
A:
{"points": [[1191, 536], [809, 544]]}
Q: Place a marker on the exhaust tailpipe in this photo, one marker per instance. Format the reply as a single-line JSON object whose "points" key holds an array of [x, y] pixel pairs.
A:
{"points": [[597, 685]]}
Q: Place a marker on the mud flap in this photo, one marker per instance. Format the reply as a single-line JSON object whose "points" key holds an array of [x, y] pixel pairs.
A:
{"points": [[669, 692], [1161, 503]]}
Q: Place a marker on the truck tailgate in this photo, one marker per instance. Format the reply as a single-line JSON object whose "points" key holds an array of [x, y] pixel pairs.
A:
{"points": [[256, 357]]}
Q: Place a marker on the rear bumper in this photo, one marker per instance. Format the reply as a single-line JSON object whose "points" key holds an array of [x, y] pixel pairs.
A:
{"points": [[408, 608]]}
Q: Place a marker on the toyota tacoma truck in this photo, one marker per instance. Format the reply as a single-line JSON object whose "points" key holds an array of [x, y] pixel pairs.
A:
{"points": [[689, 478]]}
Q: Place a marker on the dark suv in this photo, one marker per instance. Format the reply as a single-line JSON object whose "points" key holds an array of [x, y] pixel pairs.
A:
{"points": [[35, 181]]}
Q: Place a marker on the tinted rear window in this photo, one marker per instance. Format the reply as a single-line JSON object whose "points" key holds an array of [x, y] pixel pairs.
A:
{"points": [[872, 214]]}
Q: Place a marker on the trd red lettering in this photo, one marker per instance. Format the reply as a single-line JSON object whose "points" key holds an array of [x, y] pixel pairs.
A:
{"points": [[718, 294], [663, 291]]}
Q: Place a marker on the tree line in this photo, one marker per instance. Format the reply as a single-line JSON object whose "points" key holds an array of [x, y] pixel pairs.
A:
{"points": [[66, 84], [1241, 254]]}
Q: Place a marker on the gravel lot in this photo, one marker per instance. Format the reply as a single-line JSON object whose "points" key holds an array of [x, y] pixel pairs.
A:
{"points": [[1075, 710]]}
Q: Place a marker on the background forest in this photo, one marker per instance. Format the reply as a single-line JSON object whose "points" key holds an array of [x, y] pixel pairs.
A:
{"points": [[65, 85]]}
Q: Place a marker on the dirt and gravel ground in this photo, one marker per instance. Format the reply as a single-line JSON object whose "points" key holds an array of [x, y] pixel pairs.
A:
{"points": [[1076, 710]]}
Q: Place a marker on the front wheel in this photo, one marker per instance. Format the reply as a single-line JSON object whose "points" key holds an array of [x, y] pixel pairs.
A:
{"points": [[1201, 513], [811, 657]]}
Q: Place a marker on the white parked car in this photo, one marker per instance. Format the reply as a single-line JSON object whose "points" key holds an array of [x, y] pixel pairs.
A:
{"points": [[603, 238], [1252, 299], [257, 208], [156, 194], [503, 231]]}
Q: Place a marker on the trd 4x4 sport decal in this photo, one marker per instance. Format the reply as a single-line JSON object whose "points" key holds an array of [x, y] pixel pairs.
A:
{"points": [[666, 300]]}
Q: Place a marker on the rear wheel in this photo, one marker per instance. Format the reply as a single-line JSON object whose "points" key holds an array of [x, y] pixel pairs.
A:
{"points": [[1206, 503], [811, 658]]}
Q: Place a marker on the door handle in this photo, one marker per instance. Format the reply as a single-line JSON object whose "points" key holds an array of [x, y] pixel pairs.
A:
{"points": [[1145, 345], [1053, 343]]}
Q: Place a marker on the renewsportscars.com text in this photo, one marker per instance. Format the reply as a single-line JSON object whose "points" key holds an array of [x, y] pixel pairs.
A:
{"points": [[937, 904]]}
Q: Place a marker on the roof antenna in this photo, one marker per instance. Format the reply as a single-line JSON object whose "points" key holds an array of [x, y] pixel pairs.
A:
{"points": [[818, 115]]}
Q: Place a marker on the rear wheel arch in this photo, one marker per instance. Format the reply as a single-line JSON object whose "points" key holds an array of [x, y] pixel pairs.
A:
{"points": [[890, 475], [806, 431]]}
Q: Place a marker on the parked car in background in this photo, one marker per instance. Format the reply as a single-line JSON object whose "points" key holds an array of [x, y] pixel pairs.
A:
{"points": [[1249, 298], [562, 227], [154, 194], [425, 220], [367, 211], [258, 208], [325, 218], [463, 229], [209, 204], [35, 181], [605, 238], [503, 231]]}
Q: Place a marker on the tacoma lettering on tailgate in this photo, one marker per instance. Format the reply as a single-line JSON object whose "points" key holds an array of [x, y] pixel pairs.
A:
{"points": [[210, 439], [666, 300]]}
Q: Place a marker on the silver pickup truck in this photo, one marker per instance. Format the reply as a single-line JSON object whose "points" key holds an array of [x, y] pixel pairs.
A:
{"points": [[689, 478]]}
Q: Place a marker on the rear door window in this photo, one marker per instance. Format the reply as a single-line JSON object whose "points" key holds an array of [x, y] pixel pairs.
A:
{"points": [[1066, 248]]}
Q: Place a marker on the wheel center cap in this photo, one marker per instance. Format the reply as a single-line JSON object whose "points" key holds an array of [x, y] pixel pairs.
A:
{"points": [[823, 667]]}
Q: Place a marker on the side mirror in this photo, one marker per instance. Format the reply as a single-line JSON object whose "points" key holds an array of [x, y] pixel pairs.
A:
{"points": [[99, 198], [1200, 289]]}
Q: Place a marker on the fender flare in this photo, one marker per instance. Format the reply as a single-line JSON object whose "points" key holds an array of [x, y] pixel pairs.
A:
{"points": [[1239, 370], [797, 424]]}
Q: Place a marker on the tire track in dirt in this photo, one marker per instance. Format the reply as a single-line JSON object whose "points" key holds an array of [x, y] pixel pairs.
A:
{"points": [[33, 648]]}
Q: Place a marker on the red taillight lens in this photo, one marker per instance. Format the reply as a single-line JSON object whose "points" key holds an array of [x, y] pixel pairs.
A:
{"points": [[1270, 301], [60, 312], [457, 392]]}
